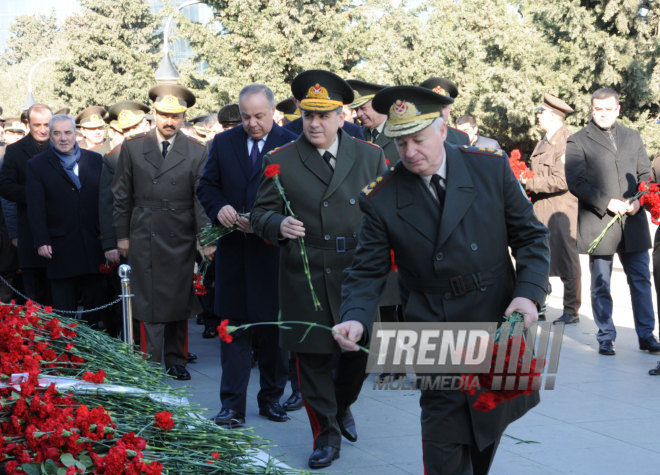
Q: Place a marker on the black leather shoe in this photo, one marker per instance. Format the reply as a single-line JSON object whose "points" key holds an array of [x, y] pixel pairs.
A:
{"points": [[606, 348], [567, 319], [649, 344], [294, 402], [347, 424], [179, 372], [191, 357], [229, 418], [323, 457], [274, 412], [210, 333], [655, 371]]}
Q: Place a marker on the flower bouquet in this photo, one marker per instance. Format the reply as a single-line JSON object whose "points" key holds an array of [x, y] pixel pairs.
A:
{"points": [[519, 167], [642, 190], [210, 233], [490, 383]]}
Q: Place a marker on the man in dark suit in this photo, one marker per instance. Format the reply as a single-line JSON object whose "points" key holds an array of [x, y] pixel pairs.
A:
{"points": [[468, 124], [446, 87], [605, 162], [62, 190], [450, 214], [322, 173], [12, 188], [246, 267], [156, 217]]}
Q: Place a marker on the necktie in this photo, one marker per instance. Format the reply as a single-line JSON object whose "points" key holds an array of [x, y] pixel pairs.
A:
{"points": [[612, 139], [165, 145], [374, 135], [254, 153], [436, 181], [327, 156]]}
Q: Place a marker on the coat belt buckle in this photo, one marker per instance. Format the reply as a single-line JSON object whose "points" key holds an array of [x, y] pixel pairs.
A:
{"points": [[457, 286], [165, 204], [340, 244]]}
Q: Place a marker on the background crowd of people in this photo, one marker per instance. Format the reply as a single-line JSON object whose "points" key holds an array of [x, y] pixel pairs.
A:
{"points": [[136, 183]]}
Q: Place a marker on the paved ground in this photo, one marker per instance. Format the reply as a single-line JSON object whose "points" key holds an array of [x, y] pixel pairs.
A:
{"points": [[602, 418]]}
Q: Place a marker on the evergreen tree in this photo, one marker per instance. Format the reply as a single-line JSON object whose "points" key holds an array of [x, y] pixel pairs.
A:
{"points": [[111, 54]]}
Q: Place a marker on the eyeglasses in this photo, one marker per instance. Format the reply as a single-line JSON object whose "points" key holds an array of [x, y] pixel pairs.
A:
{"points": [[540, 110]]}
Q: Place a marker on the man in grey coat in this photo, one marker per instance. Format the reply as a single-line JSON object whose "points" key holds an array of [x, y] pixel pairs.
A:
{"points": [[605, 162]]}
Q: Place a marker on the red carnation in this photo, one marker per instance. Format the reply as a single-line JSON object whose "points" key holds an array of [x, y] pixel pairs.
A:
{"points": [[97, 378], [164, 421], [223, 332], [272, 171]]}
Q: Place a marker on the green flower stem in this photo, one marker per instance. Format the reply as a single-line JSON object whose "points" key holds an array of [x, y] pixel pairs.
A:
{"points": [[616, 218], [283, 324], [301, 242]]}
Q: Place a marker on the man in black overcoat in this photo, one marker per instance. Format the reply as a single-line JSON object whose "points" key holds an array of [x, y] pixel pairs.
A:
{"points": [[246, 266], [451, 215], [62, 190], [605, 162]]}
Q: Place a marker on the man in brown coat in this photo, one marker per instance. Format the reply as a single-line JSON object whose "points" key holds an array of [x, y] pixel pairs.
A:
{"points": [[156, 217], [554, 205]]}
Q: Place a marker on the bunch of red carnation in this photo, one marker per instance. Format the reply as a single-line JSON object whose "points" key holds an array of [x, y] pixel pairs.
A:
{"points": [[490, 398], [107, 267], [650, 199], [519, 167], [37, 422]]}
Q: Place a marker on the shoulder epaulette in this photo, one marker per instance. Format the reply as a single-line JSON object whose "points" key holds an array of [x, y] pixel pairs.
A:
{"points": [[283, 147], [195, 140], [380, 181], [493, 152], [114, 150], [136, 136], [364, 141]]}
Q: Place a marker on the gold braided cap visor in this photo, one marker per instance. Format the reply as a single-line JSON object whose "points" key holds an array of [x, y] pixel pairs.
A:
{"points": [[320, 105], [92, 122], [170, 104], [115, 126], [129, 118], [361, 100]]}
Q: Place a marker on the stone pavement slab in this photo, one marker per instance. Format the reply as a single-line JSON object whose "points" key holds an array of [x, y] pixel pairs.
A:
{"points": [[602, 417]]}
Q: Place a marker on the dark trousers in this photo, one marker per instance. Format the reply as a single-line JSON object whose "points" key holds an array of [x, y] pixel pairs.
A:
{"points": [[572, 294], [447, 458], [324, 394], [236, 362], [636, 268], [170, 338], [656, 269], [88, 288], [36, 285]]}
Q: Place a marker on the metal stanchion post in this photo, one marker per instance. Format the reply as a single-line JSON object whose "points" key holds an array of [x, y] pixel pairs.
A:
{"points": [[127, 312]]}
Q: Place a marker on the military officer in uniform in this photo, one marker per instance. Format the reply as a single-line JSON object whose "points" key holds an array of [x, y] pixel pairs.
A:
{"points": [[156, 218], [373, 123], [289, 110], [450, 214], [554, 205], [92, 126], [447, 88], [322, 173]]}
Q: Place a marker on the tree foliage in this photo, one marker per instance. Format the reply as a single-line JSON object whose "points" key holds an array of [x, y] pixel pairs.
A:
{"points": [[502, 55], [111, 54]]}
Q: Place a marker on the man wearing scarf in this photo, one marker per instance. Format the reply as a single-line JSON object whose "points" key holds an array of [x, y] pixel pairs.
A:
{"points": [[62, 189]]}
